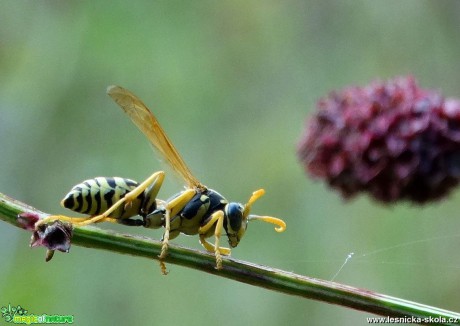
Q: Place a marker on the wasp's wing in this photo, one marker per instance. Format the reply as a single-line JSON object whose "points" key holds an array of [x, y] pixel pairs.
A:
{"points": [[148, 124]]}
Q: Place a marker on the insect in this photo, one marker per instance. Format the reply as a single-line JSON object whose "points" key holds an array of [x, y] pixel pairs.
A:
{"points": [[196, 210]]}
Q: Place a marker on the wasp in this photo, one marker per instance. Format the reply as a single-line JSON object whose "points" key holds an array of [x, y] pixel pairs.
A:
{"points": [[195, 210]]}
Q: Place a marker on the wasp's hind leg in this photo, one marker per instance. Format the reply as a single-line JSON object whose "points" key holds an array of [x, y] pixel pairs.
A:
{"points": [[216, 219], [72, 220], [157, 177], [154, 181]]}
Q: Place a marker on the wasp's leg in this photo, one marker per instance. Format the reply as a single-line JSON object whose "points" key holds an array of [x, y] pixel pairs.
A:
{"points": [[151, 186], [72, 220], [105, 217], [210, 247], [128, 198], [217, 218], [173, 208], [163, 269]]}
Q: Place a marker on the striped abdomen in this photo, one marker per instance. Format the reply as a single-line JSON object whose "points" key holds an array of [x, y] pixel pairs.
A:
{"points": [[95, 196]]}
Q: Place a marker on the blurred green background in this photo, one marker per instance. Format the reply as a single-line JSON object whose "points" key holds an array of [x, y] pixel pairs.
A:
{"points": [[232, 83]]}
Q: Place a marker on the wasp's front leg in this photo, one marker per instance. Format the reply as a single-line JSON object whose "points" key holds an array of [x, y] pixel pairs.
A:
{"points": [[216, 219]]}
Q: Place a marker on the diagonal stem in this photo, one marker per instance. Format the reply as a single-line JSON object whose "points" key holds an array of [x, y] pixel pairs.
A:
{"points": [[257, 275]]}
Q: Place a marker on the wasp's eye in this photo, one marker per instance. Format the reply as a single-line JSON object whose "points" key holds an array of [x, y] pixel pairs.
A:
{"points": [[235, 215]]}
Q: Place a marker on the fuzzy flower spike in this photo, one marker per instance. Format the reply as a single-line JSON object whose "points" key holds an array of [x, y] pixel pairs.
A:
{"points": [[393, 140]]}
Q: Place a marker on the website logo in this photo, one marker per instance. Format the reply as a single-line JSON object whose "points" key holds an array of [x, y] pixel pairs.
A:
{"points": [[20, 315]]}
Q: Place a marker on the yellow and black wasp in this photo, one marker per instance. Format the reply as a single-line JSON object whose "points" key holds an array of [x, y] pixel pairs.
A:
{"points": [[196, 210]]}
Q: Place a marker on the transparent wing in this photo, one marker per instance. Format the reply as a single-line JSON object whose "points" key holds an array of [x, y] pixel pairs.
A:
{"points": [[149, 125]]}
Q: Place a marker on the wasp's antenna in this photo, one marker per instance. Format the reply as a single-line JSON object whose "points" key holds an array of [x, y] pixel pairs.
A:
{"points": [[255, 195], [268, 219]]}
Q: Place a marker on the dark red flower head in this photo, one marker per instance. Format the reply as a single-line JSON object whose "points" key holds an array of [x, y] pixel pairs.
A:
{"points": [[391, 139], [54, 236]]}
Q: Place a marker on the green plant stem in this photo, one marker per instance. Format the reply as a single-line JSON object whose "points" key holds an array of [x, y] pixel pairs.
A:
{"points": [[257, 275]]}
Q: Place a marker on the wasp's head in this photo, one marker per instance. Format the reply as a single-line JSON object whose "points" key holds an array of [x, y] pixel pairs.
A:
{"points": [[236, 223], [238, 217]]}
